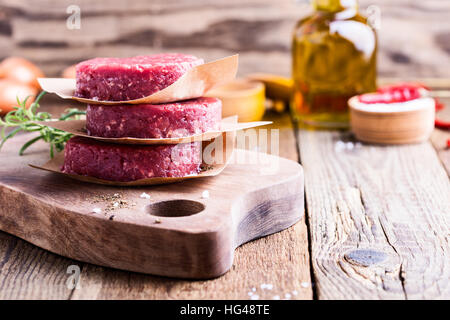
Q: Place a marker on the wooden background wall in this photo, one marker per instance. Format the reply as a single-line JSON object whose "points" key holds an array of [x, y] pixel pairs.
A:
{"points": [[414, 35]]}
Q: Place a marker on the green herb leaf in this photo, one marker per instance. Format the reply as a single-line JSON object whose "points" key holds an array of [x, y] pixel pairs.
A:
{"points": [[23, 119], [29, 143]]}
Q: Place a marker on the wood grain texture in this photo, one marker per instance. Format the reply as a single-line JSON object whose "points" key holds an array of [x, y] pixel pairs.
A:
{"points": [[378, 218], [28, 272], [259, 30], [439, 139], [281, 259]]}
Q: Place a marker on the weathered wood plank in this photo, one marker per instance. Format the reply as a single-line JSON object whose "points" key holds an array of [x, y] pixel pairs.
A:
{"points": [[56, 8], [439, 139], [279, 260], [378, 218], [28, 272]]}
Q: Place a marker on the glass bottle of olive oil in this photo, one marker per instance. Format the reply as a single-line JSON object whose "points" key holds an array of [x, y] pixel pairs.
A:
{"points": [[334, 58]]}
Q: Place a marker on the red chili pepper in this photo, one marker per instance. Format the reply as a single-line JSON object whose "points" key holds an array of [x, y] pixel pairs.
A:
{"points": [[438, 123], [439, 105], [394, 93], [441, 124], [403, 85]]}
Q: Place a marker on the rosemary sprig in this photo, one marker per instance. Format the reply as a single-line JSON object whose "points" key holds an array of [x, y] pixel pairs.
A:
{"points": [[24, 119]]}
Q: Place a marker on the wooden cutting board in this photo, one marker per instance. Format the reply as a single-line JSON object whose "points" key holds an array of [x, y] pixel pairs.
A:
{"points": [[176, 233]]}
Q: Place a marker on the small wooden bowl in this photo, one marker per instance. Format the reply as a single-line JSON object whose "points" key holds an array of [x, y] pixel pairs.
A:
{"points": [[414, 124], [243, 98]]}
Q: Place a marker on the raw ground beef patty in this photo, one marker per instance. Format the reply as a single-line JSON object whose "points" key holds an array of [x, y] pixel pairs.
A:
{"points": [[123, 79], [116, 162], [172, 120]]}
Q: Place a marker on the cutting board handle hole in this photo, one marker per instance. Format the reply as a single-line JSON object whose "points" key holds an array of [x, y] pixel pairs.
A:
{"points": [[175, 208]]}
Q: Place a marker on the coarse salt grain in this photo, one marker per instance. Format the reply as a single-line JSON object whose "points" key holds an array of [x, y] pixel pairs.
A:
{"points": [[305, 284], [276, 298], [339, 146], [266, 286], [253, 289], [96, 210], [250, 293], [115, 204], [145, 195], [254, 297], [205, 194], [287, 295], [295, 292]]}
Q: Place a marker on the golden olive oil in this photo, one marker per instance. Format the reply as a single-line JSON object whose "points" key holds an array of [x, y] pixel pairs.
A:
{"points": [[334, 58]]}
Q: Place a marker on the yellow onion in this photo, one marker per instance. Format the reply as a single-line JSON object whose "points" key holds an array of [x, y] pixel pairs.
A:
{"points": [[21, 70], [70, 72], [10, 90]]}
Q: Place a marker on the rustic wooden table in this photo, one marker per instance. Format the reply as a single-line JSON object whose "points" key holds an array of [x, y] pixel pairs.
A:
{"points": [[376, 227]]}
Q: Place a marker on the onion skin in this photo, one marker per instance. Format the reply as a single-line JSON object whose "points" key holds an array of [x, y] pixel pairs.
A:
{"points": [[9, 90], [21, 70]]}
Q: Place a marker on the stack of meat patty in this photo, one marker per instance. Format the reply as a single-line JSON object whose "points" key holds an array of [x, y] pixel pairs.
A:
{"points": [[115, 79]]}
